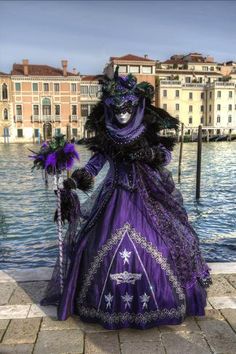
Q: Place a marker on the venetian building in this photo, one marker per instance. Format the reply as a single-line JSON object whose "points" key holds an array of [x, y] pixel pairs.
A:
{"points": [[182, 85], [45, 101], [90, 92], [6, 114], [141, 67]]}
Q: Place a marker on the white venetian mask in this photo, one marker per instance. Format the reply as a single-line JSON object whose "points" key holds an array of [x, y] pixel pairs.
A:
{"points": [[123, 118]]}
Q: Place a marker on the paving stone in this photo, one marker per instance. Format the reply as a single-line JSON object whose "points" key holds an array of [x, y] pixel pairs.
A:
{"points": [[2, 331], [189, 325], [31, 274], [90, 327], [102, 343], [232, 279], [219, 335], [210, 314], [221, 343], [58, 342], [22, 331], [29, 292], [142, 348], [230, 316], [37, 310], [16, 349], [185, 343], [134, 335], [208, 306], [4, 324], [223, 302], [222, 267], [53, 324], [215, 327], [14, 311], [6, 278], [6, 290], [220, 287]]}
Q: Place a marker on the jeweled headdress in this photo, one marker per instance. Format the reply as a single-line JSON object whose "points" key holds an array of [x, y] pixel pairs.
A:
{"points": [[122, 93]]}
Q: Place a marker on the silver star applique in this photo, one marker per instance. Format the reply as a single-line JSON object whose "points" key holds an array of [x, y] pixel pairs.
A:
{"points": [[144, 299], [108, 299], [127, 299], [125, 255]]}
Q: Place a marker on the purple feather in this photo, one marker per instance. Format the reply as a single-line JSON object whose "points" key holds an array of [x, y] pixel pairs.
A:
{"points": [[70, 149], [51, 160]]}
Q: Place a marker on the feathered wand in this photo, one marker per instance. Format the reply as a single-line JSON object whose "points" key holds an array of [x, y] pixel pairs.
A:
{"points": [[54, 157]]}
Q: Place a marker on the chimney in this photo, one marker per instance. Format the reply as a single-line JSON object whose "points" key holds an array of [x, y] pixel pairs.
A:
{"points": [[25, 63], [145, 56], [64, 64]]}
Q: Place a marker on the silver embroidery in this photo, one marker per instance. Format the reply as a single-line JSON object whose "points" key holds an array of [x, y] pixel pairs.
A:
{"points": [[113, 240], [125, 255], [127, 299], [126, 277], [137, 318], [108, 299], [144, 299]]}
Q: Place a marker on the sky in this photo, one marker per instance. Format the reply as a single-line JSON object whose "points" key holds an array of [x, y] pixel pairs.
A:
{"points": [[87, 33]]}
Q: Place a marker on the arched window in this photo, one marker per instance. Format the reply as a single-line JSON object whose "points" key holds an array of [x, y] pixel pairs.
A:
{"points": [[5, 114], [46, 107], [4, 92]]}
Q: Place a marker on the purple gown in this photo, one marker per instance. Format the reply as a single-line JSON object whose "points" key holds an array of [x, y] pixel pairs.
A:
{"points": [[136, 261]]}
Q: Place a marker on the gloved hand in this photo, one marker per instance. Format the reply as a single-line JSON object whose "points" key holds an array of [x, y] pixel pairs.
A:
{"points": [[80, 179]]}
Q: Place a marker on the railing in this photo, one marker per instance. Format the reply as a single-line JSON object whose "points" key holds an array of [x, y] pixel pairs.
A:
{"points": [[170, 82], [222, 84], [73, 118], [35, 118], [47, 118], [57, 118], [18, 118], [193, 85]]}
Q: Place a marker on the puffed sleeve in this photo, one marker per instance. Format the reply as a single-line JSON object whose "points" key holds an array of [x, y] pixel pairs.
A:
{"points": [[83, 178], [166, 155], [95, 164]]}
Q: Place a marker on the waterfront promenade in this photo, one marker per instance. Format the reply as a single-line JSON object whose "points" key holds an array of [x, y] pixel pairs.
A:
{"points": [[26, 327]]}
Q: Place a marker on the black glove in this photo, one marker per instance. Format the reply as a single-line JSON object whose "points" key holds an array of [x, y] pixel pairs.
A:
{"points": [[80, 179]]}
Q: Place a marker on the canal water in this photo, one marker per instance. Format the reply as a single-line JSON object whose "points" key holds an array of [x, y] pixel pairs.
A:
{"points": [[28, 235]]}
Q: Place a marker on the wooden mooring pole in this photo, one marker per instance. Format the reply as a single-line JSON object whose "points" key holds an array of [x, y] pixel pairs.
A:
{"points": [[199, 159], [68, 137], [180, 151]]}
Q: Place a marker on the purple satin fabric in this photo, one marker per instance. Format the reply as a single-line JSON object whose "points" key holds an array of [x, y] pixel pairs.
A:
{"points": [[138, 211]]}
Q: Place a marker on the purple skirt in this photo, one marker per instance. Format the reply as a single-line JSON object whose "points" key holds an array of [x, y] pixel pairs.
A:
{"points": [[140, 264]]}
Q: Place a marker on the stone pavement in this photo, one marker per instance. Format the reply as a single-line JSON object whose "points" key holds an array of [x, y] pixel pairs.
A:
{"points": [[26, 327]]}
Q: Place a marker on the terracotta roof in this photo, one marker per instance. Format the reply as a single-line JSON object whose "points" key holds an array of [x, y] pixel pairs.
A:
{"points": [[191, 59], [3, 74], [38, 70], [92, 77], [131, 57]]}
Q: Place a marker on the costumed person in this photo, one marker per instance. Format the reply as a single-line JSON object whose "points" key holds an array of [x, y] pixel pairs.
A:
{"points": [[135, 260]]}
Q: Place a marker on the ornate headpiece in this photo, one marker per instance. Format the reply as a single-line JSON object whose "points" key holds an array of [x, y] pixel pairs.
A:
{"points": [[122, 93]]}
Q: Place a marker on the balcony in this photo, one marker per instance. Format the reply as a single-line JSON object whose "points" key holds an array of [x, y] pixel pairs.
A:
{"points": [[74, 118], [222, 84], [170, 82], [47, 118], [35, 118], [57, 118], [18, 118], [193, 85]]}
